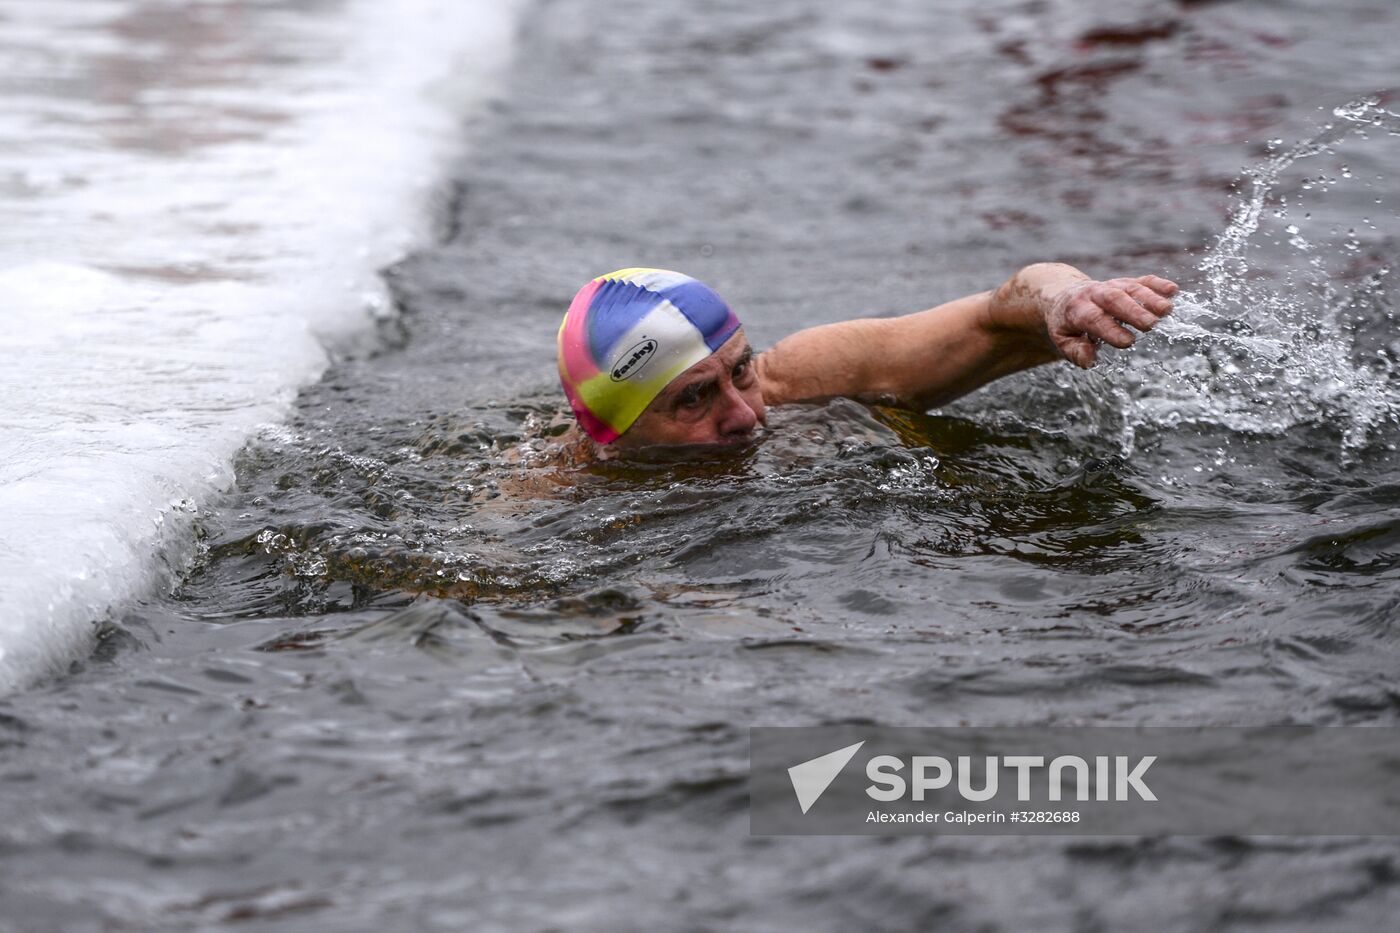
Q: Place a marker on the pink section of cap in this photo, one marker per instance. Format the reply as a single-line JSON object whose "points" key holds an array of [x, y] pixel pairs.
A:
{"points": [[578, 363], [597, 429]]}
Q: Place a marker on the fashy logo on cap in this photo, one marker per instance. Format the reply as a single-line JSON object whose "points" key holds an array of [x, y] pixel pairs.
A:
{"points": [[634, 360]]}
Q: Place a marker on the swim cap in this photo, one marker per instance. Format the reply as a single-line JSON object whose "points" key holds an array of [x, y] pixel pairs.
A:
{"points": [[626, 335]]}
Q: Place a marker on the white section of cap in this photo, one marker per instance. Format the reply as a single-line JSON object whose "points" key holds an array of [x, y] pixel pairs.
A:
{"points": [[657, 279], [679, 344]]}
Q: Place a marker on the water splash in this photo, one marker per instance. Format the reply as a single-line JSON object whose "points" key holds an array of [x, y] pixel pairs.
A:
{"points": [[1292, 323]]}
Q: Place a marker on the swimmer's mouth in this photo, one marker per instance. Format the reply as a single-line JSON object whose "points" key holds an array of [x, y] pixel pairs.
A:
{"points": [[741, 441], [680, 453]]}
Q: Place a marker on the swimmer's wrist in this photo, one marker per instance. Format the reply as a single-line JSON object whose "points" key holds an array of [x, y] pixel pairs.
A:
{"points": [[1019, 312]]}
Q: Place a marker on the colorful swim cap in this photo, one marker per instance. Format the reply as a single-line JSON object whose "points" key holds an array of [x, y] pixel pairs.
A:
{"points": [[626, 335]]}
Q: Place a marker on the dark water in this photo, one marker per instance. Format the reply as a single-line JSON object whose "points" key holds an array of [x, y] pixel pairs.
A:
{"points": [[420, 681]]}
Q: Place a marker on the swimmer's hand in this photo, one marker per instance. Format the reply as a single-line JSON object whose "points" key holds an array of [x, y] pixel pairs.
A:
{"points": [[1083, 315]]}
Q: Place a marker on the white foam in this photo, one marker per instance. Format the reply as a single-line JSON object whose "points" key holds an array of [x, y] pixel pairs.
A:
{"points": [[195, 199]]}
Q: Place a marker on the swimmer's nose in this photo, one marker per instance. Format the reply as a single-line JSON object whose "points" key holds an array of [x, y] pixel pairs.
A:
{"points": [[737, 418]]}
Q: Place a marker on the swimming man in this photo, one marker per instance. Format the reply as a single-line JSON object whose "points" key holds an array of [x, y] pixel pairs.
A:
{"points": [[651, 358]]}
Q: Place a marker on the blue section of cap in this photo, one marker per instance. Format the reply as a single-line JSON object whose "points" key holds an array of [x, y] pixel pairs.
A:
{"points": [[703, 308], [718, 338], [616, 308]]}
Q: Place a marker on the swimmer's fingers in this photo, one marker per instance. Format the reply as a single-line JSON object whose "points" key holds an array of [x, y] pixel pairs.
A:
{"points": [[1080, 350], [1164, 287], [1153, 301], [1149, 291], [1096, 311], [1090, 313], [1130, 302]]}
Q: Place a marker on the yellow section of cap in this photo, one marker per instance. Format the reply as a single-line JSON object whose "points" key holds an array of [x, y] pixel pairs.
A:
{"points": [[622, 275], [620, 404]]}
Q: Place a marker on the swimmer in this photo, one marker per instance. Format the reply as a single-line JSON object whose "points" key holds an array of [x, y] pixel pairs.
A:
{"points": [[652, 360]]}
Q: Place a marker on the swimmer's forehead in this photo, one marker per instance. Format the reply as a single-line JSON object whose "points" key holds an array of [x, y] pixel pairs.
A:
{"points": [[731, 353]]}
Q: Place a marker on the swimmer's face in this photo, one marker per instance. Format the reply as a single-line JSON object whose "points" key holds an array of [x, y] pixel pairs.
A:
{"points": [[718, 401]]}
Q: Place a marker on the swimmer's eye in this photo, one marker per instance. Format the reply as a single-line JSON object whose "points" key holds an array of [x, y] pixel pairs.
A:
{"points": [[692, 402], [689, 398]]}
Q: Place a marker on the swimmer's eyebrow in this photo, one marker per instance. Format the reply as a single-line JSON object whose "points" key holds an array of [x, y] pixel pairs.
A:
{"points": [[675, 391], [699, 385]]}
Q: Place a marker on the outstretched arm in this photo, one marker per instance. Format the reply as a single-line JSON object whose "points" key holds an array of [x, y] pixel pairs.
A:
{"points": [[1044, 312]]}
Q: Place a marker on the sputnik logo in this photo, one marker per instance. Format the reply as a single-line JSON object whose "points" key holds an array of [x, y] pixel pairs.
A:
{"points": [[811, 778]]}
